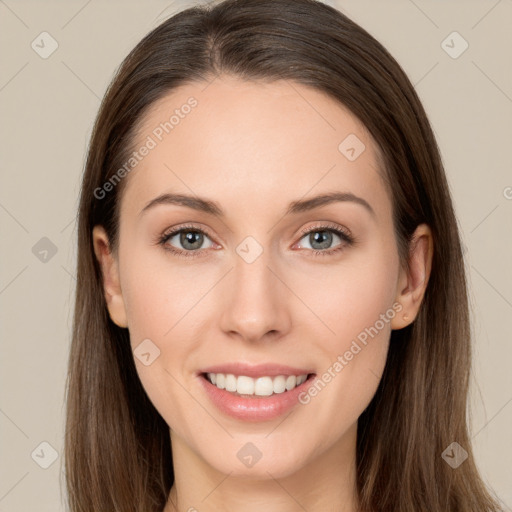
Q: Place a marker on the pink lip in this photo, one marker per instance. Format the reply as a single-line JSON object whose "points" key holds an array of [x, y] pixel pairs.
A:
{"points": [[254, 408], [254, 371]]}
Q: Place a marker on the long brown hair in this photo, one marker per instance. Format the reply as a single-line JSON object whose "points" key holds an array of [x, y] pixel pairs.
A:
{"points": [[117, 449]]}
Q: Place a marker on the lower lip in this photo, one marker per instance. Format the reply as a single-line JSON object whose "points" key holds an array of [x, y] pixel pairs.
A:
{"points": [[254, 408]]}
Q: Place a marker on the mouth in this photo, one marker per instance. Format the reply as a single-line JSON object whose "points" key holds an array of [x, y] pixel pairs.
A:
{"points": [[255, 393], [262, 386]]}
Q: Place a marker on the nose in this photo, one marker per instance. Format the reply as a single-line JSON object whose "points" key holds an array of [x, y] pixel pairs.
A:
{"points": [[256, 306]]}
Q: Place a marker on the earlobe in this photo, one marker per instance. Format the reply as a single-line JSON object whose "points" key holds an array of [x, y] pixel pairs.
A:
{"points": [[110, 274], [412, 283]]}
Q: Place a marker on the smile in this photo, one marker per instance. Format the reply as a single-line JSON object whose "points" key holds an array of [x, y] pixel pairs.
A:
{"points": [[243, 385], [254, 393]]}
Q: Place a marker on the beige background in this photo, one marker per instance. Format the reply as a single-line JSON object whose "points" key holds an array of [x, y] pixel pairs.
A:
{"points": [[47, 110]]}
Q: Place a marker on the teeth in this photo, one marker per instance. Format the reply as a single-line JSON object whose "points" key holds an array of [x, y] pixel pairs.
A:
{"points": [[244, 385], [291, 382], [262, 386], [230, 382], [279, 384], [219, 379]]}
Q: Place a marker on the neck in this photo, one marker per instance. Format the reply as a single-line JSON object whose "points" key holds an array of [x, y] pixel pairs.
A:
{"points": [[326, 482]]}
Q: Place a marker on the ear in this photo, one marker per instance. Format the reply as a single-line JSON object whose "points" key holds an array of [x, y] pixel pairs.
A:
{"points": [[110, 272], [412, 283]]}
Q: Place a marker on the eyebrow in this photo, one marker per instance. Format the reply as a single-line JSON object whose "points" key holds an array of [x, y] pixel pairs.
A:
{"points": [[212, 208]]}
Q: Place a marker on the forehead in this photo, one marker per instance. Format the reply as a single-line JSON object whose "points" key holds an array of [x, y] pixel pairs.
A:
{"points": [[253, 144]]}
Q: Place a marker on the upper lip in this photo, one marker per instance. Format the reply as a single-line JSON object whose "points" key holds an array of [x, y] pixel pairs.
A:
{"points": [[257, 370]]}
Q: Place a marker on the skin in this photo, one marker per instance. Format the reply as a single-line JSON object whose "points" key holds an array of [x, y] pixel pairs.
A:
{"points": [[254, 148]]}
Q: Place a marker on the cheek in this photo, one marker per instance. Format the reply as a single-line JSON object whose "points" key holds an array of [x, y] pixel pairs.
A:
{"points": [[158, 293], [357, 303], [349, 297], [160, 302]]}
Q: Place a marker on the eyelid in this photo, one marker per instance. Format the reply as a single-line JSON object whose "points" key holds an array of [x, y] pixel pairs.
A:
{"points": [[184, 227], [326, 225]]}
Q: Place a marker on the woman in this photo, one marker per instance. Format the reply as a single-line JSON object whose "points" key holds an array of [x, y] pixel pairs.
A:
{"points": [[271, 307]]}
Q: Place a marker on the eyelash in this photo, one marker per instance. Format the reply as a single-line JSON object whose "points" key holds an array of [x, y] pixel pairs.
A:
{"points": [[345, 236]]}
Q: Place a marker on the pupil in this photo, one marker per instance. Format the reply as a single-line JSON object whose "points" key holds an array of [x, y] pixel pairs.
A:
{"points": [[317, 237], [188, 238]]}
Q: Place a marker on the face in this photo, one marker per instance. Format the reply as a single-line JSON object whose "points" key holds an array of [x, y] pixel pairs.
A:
{"points": [[249, 281]]}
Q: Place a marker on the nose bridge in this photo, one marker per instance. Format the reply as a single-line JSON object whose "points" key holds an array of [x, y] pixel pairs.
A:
{"points": [[256, 304]]}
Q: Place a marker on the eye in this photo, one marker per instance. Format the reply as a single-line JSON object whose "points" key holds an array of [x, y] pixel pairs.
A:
{"points": [[320, 239], [188, 239]]}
